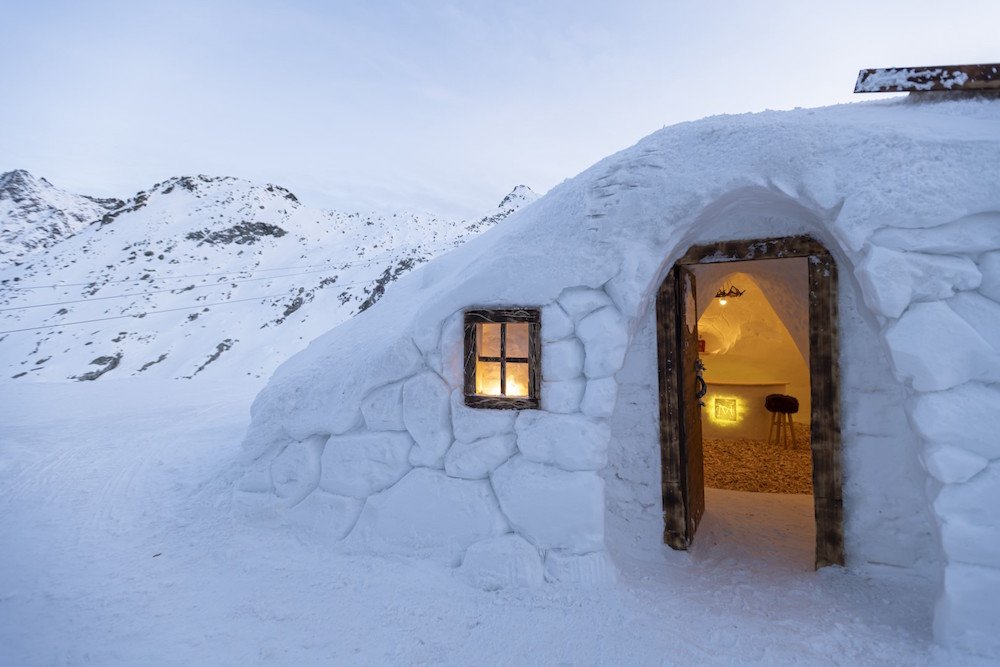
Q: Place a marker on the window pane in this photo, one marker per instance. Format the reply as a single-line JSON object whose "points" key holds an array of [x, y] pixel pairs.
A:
{"points": [[488, 378], [488, 339], [517, 379], [517, 339]]}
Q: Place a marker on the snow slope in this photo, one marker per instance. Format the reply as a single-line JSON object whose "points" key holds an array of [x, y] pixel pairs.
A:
{"points": [[200, 275], [124, 549]]}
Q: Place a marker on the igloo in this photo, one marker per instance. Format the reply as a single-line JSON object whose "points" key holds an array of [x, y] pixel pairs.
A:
{"points": [[468, 416]]}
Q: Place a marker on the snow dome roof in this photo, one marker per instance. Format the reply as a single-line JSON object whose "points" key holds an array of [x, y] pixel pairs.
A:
{"points": [[890, 170]]}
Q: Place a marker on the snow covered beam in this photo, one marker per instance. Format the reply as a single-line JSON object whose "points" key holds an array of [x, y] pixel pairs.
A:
{"points": [[943, 77]]}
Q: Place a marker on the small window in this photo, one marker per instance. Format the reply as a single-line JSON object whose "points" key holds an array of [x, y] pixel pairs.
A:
{"points": [[502, 358]]}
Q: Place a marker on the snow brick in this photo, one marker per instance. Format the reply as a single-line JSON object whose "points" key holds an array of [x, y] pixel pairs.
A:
{"points": [[989, 264], [452, 342], [972, 234], [966, 615], [605, 337], [968, 543], [295, 471], [974, 501], [325, 514], [936, 349], [562, 360], [383, 408], [891, 280], [951, 465], [257, 476], [579, 301], [360, 464], [955, 417], [981, 313], [476, 460], [428, 514], [470, 424], [427, 415], [599, 398], [593, 569], [552, 508], [563, 396], [556, 324], [507, 561], [570, 442]]}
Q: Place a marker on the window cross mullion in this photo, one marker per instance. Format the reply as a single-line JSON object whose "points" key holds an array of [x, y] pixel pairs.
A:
{"points": [[503, 358]]}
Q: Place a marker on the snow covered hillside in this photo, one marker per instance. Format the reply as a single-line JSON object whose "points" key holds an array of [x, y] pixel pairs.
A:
{"points": [[195, 275]]}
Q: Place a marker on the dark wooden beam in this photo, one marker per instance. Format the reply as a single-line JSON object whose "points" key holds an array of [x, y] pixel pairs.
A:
{"points": [[925, 79]]}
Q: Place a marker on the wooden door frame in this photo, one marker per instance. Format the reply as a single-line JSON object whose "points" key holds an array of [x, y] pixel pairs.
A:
{"points": [[824, 380]]}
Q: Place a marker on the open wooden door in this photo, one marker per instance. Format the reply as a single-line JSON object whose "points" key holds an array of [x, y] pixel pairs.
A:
{"points": [[681, 459], [682, 465]]}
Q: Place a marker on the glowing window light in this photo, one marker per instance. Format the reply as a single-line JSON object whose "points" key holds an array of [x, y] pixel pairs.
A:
{"points": [[502, 349]]}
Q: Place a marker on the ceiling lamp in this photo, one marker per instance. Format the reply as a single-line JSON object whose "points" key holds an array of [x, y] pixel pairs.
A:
{"points": [[731, 293]]}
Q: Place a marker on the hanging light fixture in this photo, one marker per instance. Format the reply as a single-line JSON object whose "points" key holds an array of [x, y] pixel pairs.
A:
{"points": [[724, 294]]}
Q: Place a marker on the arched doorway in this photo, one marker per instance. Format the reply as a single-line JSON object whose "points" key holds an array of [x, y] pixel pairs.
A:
{"points": [[682, 472]]}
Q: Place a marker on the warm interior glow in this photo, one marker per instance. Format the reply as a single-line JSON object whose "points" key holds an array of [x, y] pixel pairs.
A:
{"points": [[488, 378], [517, 379], [722, 302], [517, 340], [488, 341], [509, 341]]}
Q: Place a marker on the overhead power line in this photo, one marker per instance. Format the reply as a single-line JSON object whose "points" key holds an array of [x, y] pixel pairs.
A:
{"points": [[157, 291], [179, 290], [339, 266], [139, 315]]}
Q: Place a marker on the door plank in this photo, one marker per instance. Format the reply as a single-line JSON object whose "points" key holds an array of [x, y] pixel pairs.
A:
{"points": [[687, 376], [674, 512]]}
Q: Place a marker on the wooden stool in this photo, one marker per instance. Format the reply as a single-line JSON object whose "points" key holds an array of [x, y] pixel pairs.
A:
{"points": [[782, 408]]}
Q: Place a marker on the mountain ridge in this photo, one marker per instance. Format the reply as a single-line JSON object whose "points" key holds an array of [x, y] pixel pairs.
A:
{"points": [[202, 274]]}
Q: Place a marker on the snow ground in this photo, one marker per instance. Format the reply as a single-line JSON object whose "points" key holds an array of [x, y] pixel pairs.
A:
{"points": [[121, 547]]}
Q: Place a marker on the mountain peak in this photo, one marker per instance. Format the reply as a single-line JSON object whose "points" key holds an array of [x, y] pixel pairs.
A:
{"points": [[20, 180], [520, 196]]}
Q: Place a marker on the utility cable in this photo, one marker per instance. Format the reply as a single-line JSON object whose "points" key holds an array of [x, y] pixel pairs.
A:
{"points": [[139, 315], [340, 266], [158, 291], [180, 290]]}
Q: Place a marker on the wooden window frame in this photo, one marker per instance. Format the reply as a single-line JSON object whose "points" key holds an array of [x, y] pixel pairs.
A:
{"points": [[531, 316]]}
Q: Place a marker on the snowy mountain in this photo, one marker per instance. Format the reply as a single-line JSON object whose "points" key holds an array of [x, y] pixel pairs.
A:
{"points": [[195, 275], [35, 214]]}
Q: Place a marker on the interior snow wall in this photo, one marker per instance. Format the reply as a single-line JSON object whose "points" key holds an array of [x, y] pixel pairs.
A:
{"points": [[755, 345]]}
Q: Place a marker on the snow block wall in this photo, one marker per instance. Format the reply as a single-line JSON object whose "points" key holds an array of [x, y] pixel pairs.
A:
{"points": [[512, 497], [365, 435]]}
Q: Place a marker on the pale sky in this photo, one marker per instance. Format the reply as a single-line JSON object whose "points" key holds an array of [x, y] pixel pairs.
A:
{"points": [[434, 106]]}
